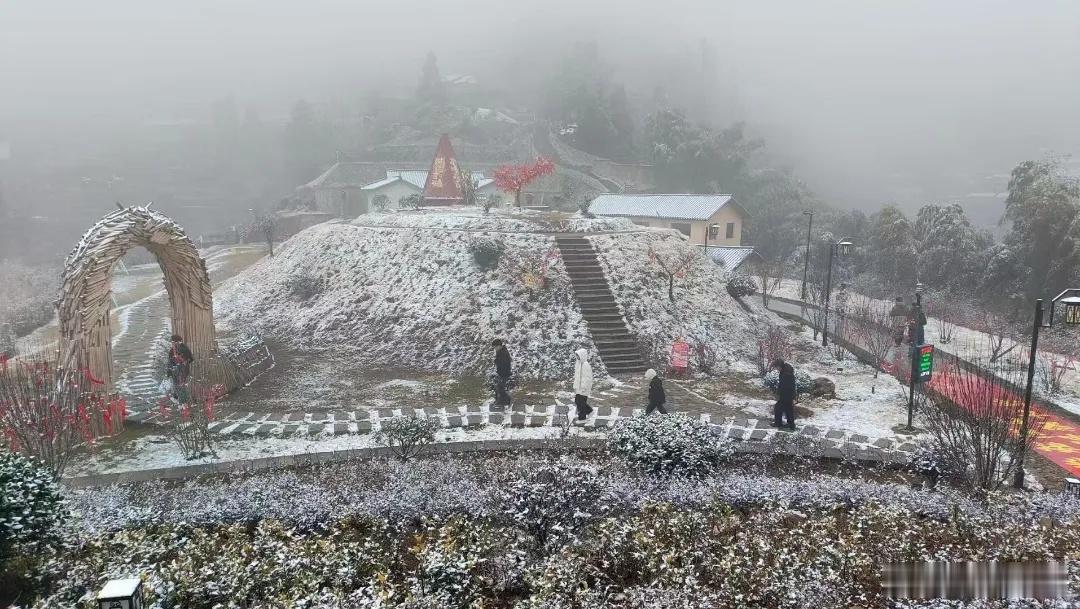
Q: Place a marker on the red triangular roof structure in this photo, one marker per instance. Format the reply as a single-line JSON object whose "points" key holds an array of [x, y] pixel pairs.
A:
{"points": [[443, 185]]}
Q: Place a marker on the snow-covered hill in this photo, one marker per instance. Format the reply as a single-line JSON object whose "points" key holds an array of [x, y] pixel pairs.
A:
{"points": [[405, 290]]}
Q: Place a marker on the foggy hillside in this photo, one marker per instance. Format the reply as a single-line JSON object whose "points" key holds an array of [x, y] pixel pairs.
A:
{"points": [[187, 105]]}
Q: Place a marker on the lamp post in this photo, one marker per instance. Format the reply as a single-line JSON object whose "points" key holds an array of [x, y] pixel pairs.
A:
{"points": [[1070, 299], [842, 247], [708, 229], [806, 259]]}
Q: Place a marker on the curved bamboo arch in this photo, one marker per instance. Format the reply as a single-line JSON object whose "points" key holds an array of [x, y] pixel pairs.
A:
{"points": [[85, 288]]}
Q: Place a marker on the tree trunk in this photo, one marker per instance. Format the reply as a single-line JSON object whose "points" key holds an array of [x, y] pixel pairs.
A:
{"points": [[517, 198], [671, 288]]}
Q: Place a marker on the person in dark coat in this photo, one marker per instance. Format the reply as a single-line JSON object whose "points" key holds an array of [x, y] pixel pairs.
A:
{"points": [[785, 395], [657, 397], [179, 364], [502, 373]]}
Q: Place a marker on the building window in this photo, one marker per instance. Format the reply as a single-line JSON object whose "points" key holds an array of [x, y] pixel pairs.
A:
{"points": [[730, 232], [681, 227], [714, 231]]}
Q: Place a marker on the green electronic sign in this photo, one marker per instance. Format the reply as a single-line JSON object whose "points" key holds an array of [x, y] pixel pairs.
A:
{"points": [[924, 363]]}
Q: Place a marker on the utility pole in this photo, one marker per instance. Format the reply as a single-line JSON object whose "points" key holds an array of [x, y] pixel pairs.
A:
{"points": [[806, 258], [1018, 479]]}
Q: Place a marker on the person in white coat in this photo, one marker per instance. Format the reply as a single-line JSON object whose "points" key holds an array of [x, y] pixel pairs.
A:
{"points": [[583, 382]]}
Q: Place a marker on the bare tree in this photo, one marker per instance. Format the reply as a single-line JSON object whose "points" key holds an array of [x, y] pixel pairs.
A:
{"points": [[870, 321], [815, 309], [49, 410], [997, 331], [674, 266], [769, 273], [973, 421], [945, 312]]}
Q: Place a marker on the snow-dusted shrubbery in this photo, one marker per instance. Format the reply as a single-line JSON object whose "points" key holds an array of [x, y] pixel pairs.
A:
{"points": [[31, 507], [555, 499], [486, 252], [659, 553], [407, 437], [674, 444], [803, 381], [741, 285]]}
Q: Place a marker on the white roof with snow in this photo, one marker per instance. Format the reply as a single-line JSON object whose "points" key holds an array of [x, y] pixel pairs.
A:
{"points": [[673, 206], [119, 588], [729, 256], [416, 177]]}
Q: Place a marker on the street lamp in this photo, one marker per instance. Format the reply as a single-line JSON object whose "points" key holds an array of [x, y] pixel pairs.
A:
{"points": [[842, 247], [1070, 300], [806, 259], [708, 229]]}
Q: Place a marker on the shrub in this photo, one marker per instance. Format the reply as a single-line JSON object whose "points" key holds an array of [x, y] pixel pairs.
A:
{"points": [[380, 202], [413, 201], [741, 285], [583, 207], [304, 286], [674, 444], [543, 502], [408, 436], [486, 252], [31, 506], [803, 382]]}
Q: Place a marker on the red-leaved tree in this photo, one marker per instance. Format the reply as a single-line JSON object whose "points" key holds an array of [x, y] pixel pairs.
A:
{"points": [[514, 178]]}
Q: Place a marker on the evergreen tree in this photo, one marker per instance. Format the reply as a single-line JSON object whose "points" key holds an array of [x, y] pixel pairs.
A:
{"points": [[892, 246], [431, 89], [1044, 207]]}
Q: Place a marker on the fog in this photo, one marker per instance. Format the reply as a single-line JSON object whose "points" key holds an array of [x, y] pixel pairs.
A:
{"points": [[868, 102]]}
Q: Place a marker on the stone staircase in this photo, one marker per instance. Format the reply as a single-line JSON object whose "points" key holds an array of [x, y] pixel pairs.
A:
{"points": [[618, 348]]}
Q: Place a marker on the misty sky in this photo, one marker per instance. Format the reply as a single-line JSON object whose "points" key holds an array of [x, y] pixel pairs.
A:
{"points": [[856, 95]]}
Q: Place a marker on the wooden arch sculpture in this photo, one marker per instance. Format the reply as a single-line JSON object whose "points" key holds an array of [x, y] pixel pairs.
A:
{"points": [[85, 289]]}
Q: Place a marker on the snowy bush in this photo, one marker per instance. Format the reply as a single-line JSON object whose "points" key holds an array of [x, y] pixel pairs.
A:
{"points": [[741, 285], [411, 201], [305, 285], [674, 444], [803, 382], [486, 252], [380, 202], [554, 499], [407, 437], [31, 506]]}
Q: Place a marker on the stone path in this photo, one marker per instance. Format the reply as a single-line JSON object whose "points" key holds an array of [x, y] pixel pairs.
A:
{"points": [[609, 408]]}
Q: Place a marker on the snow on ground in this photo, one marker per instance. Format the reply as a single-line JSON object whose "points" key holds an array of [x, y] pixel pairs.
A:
{"points": [[411, 298], [974, 346], [702, 311], [158, 452], [502, 221], [417, 299]]}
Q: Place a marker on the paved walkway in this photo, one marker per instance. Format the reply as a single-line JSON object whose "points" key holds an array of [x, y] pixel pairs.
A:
{"points": [[609, 407]]}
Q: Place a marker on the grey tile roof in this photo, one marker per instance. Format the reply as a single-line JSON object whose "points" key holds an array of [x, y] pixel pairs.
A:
{"points": [[729, 256], [674, 206]]}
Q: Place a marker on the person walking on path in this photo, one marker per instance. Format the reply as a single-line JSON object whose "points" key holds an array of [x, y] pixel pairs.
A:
{"points": [[502, 373], [657, 397], [583, 382], [179, 365], [785, 395], [899, 316]]}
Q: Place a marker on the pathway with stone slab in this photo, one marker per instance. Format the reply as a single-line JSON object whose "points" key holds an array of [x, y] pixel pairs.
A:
{"points": [[828, 442]]}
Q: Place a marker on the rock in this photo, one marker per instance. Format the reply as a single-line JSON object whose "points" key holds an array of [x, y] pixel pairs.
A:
{"points": [[823, 388]]}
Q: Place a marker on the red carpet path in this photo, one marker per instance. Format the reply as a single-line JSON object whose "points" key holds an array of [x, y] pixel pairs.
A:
{"points": [[1059, 440]]}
